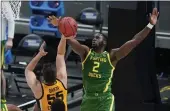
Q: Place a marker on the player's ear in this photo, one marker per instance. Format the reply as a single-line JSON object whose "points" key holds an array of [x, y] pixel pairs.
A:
{"points": [[104, 42]]}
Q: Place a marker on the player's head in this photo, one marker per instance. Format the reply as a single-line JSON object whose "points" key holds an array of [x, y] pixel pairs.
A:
{"points": [[58, 105], [49, 73], [99, 40]]}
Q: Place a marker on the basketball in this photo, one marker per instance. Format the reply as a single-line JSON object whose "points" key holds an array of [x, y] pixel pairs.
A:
{"points": [[68, 26]]}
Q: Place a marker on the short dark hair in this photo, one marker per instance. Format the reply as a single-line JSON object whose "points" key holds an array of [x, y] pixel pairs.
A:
{"points": [[49, 72], [58, 105], [103, 35]]}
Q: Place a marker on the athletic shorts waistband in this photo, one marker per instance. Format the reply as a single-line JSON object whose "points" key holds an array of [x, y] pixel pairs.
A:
{"points": [[96, 94]]}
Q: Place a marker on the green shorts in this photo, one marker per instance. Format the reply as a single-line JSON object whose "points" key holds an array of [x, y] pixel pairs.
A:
{"points": [[3, 105], [97, 102], [2, 44]]}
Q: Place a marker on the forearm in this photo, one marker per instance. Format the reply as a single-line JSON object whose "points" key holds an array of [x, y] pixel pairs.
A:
{"points": [[73, 43], [141, 35], [77, 47], [11, 29], [31, 66], [62, 46]]}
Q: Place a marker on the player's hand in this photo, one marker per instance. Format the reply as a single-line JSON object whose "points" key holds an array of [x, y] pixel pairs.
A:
{"points": [[9, 44], [71, 37], [154, 16], [54, 20], [41, 50]]}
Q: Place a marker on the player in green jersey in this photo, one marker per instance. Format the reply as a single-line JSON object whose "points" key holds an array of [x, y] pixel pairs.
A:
{"points": [[98, 66]]}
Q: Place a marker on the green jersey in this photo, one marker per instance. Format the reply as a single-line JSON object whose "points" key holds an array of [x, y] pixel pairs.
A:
{"points": [[97, 72]]}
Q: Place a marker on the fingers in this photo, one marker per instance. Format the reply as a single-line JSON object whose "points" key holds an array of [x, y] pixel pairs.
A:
{"points": [[43, 43], [154, 10], [52, 17], [42, 46], [45, 53], [49, 18], [158, 14], [7, 47], [71, 37]]}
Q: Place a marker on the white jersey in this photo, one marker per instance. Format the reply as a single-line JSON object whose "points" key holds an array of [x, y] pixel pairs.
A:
{"points": [[7, 25]]}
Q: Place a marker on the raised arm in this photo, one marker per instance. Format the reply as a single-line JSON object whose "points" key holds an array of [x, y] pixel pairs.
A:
{"points": [[126, 48], [29, 74], [60, 62], [79, 49]]}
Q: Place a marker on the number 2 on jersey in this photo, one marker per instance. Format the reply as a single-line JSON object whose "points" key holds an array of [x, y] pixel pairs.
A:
{"points": [[96, 66]]}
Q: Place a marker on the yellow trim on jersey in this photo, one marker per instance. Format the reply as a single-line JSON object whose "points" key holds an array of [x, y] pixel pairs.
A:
{"points": [[166, 88], [111, 107], [85, 59], [2, 54], [108, 55], [107, 85], [41, 105]]}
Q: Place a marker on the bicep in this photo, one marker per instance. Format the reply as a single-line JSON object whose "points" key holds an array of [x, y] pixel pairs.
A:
{"points": [[126, 48], [31, 79], [77, 47], [113, 57]]}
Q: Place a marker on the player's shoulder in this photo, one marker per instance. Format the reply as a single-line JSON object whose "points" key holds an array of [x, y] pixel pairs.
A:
{"points": [[61, 84], [86, 48], [114, 50]]}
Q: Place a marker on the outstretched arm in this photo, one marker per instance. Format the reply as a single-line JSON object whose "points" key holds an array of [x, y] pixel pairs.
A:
{"points": [[60, 62], [125, 49], [29, 74]]}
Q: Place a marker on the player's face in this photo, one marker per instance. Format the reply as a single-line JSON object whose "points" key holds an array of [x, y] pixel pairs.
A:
{"points": [[97, 40]]}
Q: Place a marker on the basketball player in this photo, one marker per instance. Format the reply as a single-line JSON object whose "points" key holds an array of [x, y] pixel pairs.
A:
{"points": [[98, 66], [55, 82], [6, 43]]}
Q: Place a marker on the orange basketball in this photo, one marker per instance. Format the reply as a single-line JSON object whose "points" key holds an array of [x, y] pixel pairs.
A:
{"points": [[68, 26]]}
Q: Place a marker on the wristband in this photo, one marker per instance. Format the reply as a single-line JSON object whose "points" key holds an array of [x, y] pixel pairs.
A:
{"points": [[150, 25]]}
